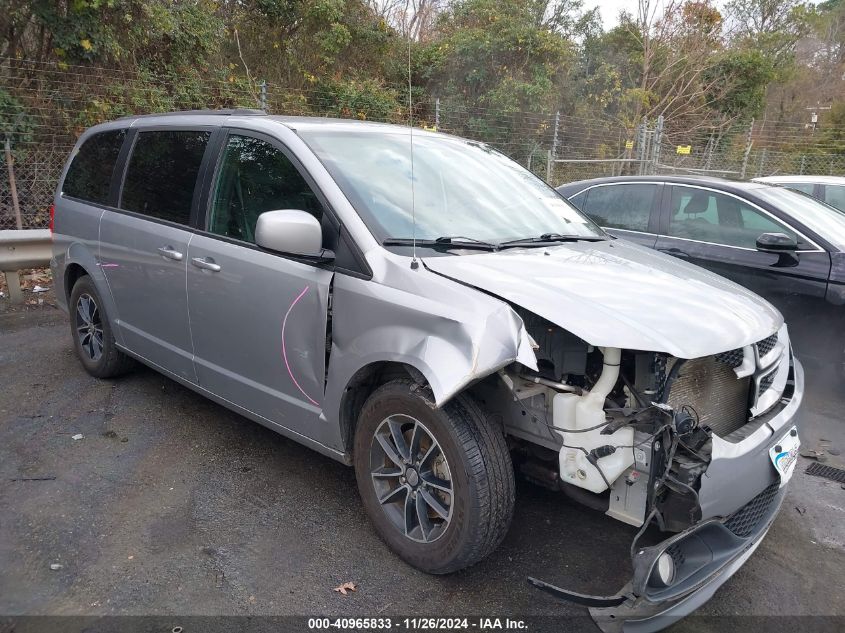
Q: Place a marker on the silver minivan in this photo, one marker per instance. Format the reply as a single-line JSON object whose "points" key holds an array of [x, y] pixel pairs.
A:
{"points": [[426, 310]]}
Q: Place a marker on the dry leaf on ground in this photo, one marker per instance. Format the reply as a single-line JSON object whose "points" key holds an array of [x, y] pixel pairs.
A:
{"points": [[345, 588]]}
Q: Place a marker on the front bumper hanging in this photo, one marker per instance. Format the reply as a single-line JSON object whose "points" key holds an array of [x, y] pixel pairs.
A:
{"points": [[705, 556]]}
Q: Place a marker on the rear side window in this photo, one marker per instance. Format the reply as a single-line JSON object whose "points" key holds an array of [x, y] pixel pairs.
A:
{"points": [[624, 206], [89, 175], [162, 173]]}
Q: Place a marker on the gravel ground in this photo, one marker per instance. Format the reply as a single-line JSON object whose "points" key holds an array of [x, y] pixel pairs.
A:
{"points": [[173, 506]]}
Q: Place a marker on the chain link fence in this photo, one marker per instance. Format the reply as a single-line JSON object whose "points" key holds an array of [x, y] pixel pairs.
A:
{"points": [[44, 108], [33, 177], [735, 155]]}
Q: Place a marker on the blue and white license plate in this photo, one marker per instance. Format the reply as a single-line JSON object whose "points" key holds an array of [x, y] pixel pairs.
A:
{"points": [[784, 454]]}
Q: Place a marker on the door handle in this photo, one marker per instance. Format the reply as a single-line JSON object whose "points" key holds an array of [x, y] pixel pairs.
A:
{"points": [[206, 263], [170, 253], [674, 252]]}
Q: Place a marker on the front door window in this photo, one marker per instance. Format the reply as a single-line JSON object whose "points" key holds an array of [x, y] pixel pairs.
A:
{"points": [[256, 177], [709, 216]]}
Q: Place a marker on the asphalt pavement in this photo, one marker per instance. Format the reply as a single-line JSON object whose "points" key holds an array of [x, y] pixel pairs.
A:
{"points": [[171, 505]]}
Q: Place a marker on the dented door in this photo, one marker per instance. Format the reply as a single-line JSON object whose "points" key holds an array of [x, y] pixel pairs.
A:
{"points": [[259, 330], [257, 318]]}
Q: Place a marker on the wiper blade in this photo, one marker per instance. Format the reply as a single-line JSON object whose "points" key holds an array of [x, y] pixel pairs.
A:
{"points": [[442, 242], [471, 242], [547, 238]]}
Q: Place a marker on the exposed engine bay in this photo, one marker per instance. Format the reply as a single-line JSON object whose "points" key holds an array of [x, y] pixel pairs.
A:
{"points": [[673, 417], [631, 432]]}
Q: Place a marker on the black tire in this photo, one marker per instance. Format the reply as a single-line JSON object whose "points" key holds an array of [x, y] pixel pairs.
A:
{"points": [[477, 463], [103, 359]]}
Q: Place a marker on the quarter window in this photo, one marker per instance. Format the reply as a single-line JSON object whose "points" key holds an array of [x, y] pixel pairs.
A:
{"points": [[162, 174], [834, 195], [578, 200], [624, 206], [709, 216], [90, 173], [803, 187], [256, 177]]}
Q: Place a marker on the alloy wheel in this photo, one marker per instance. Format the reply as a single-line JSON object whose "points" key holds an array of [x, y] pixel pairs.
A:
{"points": [[89, 327], [411, 478]]}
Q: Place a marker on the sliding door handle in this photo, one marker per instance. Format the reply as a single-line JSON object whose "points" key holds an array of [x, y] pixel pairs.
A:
{"points": [[170, 253], [206, 263]]}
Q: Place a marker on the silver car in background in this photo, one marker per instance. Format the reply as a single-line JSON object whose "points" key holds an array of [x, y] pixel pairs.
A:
{"points": [[438, 323], [829, 189]]}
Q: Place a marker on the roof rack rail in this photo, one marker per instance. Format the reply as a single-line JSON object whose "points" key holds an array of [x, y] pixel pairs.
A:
{"points": [[221, 111]]}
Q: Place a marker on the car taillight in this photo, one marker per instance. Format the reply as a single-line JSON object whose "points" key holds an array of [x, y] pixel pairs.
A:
{"points": [[52, 216]]}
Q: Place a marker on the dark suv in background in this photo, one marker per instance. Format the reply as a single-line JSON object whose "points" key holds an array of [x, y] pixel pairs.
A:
{"points": [[780, 243]]}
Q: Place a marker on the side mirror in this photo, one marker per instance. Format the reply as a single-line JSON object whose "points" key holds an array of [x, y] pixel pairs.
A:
{"points": [[779, 244], [776, 243], [291, 231]]}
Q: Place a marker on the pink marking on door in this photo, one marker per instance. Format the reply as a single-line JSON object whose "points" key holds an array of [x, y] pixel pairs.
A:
{"points": [[285, 351]]}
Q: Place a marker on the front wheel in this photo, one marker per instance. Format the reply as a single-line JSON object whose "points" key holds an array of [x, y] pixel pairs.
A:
{"points": [[437, 484]]}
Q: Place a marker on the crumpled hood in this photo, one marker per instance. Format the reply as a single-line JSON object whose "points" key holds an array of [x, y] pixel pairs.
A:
{"points": [[618, 294]]}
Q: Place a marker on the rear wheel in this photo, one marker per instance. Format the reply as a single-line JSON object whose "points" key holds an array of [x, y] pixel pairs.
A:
{"points": [[92, 333], [437, 484]]}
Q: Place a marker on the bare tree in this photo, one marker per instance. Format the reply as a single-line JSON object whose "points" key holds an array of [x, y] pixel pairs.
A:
{"points": [[679, 41], [774, 26], [753, 17], [416, 18]]}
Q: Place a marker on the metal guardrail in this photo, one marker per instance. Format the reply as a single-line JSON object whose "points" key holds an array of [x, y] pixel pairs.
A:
{"points": [[30, 248]]}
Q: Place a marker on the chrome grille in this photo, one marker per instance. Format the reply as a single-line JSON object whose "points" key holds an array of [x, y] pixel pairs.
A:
{"points": [[713, 391], [732, 359], [766, 382], [767, 344]]}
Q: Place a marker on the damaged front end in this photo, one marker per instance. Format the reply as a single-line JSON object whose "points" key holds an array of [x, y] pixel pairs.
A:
{"points": [[663, 396], [698, 448], [676, 576]]}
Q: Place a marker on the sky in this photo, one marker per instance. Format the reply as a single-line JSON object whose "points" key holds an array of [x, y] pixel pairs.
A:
{"points": [[609, 9]]}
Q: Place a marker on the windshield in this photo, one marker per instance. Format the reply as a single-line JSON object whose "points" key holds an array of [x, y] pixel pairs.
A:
{"points": [[461, 188], [823, 219]]}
